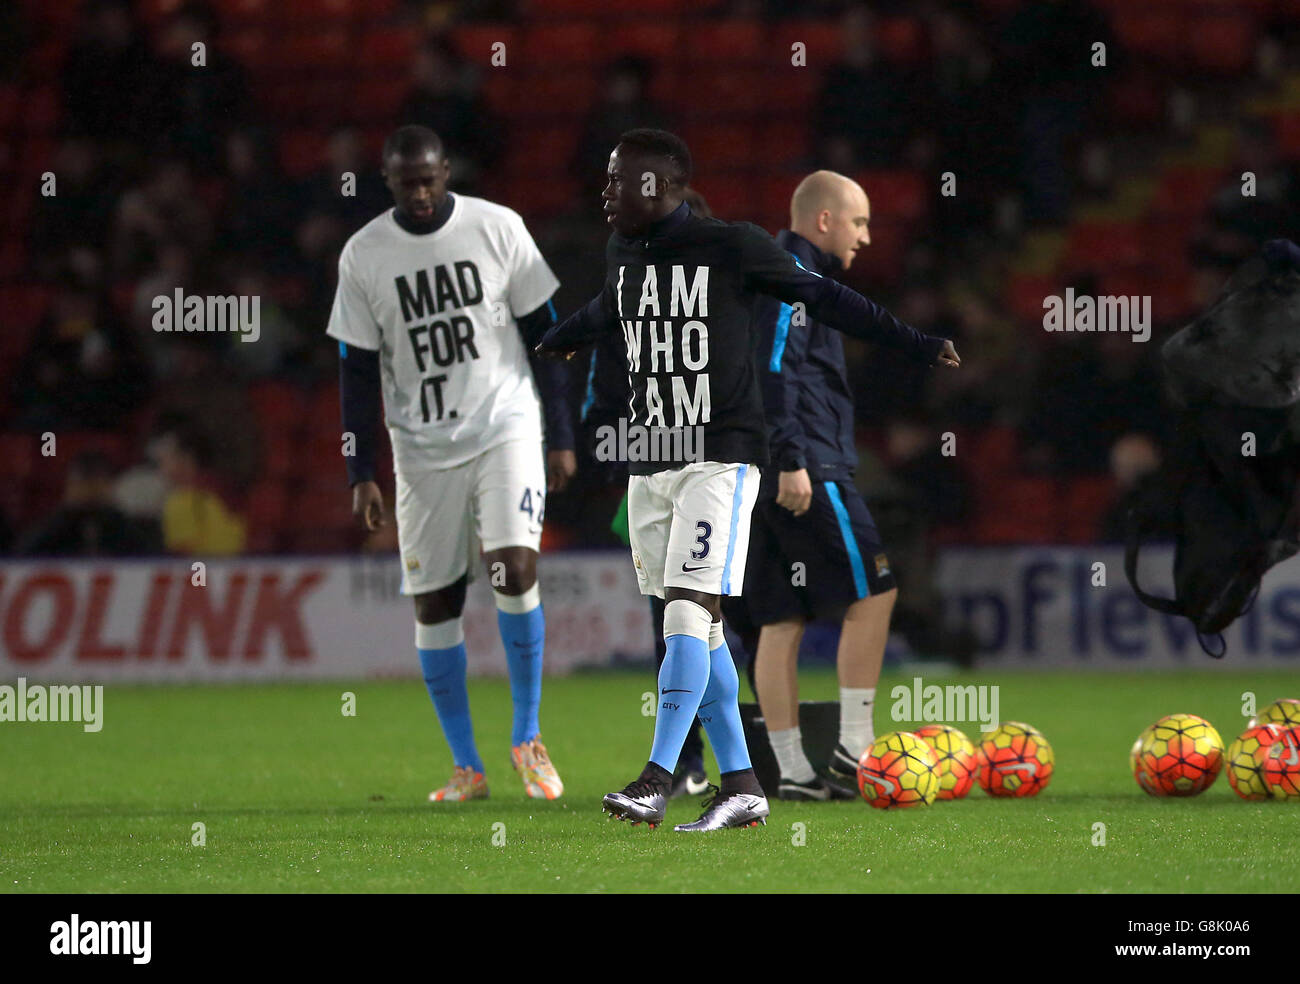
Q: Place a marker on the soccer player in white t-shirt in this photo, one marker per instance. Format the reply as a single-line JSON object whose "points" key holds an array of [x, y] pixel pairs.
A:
{"points": [[439, 302]]}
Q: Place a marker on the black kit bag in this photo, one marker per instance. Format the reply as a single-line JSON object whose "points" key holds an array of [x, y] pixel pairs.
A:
{"points": [[1233, 377]]}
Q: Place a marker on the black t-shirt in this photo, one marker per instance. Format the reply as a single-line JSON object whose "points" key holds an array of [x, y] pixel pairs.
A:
{"points": [[682, 299]]}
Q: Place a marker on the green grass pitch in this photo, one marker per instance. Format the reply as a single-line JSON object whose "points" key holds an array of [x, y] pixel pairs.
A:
{"points": [[296, 797]]}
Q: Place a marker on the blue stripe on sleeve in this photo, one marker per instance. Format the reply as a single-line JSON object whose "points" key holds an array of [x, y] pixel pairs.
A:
{"points": [[782, 330], [343, 350], [736, 499], [850, 541], [550, 306], [591, 389]]}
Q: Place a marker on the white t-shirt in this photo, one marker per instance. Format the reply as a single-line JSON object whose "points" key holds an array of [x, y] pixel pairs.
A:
{"points": [[440, 309]]}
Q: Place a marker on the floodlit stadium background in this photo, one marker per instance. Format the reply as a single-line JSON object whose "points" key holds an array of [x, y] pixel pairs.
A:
{"points": [[1115, 171]]}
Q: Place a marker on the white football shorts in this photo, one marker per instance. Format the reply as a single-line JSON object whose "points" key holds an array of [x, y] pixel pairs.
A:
{"points": [[446, 517], [689, 527]]}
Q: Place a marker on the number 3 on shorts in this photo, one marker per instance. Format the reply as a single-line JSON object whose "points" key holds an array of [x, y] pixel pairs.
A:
{"points": [[702, 533]]}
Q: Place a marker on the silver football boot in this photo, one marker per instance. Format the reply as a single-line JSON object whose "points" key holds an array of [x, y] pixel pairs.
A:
{"points": [[638, 801], [734, 810]]}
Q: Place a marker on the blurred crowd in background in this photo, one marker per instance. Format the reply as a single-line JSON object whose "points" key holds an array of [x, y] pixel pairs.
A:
{"points": [[1123, 177]]}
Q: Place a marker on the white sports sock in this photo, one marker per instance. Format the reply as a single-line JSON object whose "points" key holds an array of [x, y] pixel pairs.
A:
{"points": [[856, 730], [788, 746]]}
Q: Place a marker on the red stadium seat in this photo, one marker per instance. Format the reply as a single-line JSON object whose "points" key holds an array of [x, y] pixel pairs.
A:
{"points": [[1186, 191], [902, 39], [325, 50], [250, 46], [564, 44], [378, 99], [994, 453], [538, 149], [1288, 133], [280, 406], [656, 40], [565, 94], [387, 47], [736, 93], [784, 144], [1086, 500], [23, 306], [542, 197], [600, 8], [1139, 97], [476, 44], [735, 198], [40, 110], [19, 453], [1019, 510], [821, 42], [317, 12], [776, 193], [499, 92], [153, 11], [895, 195], [720, 43], [790, 90], [1025, 296], [1223, 43], [266, 505], [1153, 31], [722, 145], [1105, 246], [302, 151], [245, 10]]}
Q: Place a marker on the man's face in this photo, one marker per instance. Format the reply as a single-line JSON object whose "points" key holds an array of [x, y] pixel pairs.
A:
{"points": [[849, 226], [418, 184], [629, 208]]}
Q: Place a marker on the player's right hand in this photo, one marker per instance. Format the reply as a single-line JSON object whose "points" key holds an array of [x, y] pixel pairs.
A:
{"points": [[551, 353], [794, 491], [948, 355], [368, 505]]}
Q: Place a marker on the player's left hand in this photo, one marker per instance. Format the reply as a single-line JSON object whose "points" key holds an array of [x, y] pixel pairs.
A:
{"points": [[560, 467], [948, 355]]}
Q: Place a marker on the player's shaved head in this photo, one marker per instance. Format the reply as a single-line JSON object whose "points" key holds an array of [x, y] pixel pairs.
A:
{"points": [[832, 212], [412, 142], [819, 191]]}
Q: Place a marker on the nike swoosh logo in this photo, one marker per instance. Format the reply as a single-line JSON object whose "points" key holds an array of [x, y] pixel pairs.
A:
{"points": [[887, 786], [1290, 760], [694, 788], [1028, 768], [675, 691], [692, 570]]}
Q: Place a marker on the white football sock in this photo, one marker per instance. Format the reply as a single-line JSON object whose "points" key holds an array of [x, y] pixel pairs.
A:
{"points": [[856, 730], [788, 746]]}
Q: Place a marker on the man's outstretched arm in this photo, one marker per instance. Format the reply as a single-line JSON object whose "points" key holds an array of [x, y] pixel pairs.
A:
{"points": [[585, 325], [771, 270]]}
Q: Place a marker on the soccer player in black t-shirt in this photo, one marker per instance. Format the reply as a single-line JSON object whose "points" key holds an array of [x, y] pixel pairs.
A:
{"points": [[681, 290]]}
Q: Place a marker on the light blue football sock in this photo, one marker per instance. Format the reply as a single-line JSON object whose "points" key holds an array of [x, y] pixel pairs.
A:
{"points": [[523, 633], [442, 658], [682, 679], [720, 709]]}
